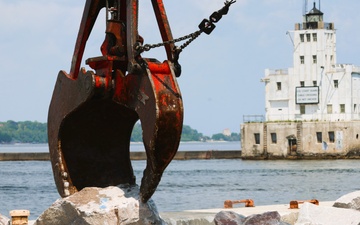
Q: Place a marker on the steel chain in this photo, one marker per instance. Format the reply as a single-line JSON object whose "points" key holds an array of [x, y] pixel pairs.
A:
{"points": [[192, 36], [206, 26]]}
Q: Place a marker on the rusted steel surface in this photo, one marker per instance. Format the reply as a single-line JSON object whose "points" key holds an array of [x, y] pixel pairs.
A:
{"points": [[92, 113], [229, 203], [295, 204]]}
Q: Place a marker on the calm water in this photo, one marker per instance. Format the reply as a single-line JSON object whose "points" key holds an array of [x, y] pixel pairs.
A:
{"points": [[196, 184]]}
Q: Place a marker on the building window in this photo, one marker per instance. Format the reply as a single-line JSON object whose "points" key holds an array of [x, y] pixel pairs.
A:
{"points": [[302, 60], [329, 109], [302, 37], [302, 109], [319, 137], [336, 83], [355, 108], [278, 85], [314, 37], [257, 138], [302, 83], [273, 138], [314, 59], [331, 137], [314, 83], [342, 108], [308, 37]]}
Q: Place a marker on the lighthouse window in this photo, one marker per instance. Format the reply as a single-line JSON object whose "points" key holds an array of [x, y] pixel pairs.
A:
{"points": [[302, 83], [273, 138], [314, 37], [278, 84], [319, 137], [342, 108], [314, 59], [336, 83], [308, 38], [257, 138], [314, 83], [331, 137], [302, 59], [302, 37]]}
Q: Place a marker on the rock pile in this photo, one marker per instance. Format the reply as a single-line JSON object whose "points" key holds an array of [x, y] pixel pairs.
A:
{"points": [[111, 205], [345, 211], [121, 205]]}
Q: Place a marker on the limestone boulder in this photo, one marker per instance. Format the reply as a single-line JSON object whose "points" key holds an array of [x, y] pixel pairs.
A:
{"points": [[310, 214], [267, 218], [228, 217], [4, 220], [349, 201], [110, 206], [232, 218]]}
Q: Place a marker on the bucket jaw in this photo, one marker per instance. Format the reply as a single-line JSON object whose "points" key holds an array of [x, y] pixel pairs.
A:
{"points": [[92, 113]]}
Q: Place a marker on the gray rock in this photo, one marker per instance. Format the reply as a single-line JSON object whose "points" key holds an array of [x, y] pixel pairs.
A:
{"points": [[289, 218], [349, 201], [267, 218], [228, 218], [232, 218], [4, 220], [110, 206], [310, 214], [187, 218]]}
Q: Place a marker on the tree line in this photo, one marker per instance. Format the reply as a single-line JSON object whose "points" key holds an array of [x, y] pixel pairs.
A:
{"points": [[36, 132]]}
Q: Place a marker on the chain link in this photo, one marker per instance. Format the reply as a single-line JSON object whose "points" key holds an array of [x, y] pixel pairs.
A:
{"points": [[206, 26], [192, 37]]}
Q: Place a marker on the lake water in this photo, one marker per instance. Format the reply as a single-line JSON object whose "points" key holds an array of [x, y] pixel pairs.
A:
{"points": [[194, 184]]}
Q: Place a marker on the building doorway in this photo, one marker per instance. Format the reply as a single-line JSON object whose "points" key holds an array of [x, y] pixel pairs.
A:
{"points": [[292, 149]]}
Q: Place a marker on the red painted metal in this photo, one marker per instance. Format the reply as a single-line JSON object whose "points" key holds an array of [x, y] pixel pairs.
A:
{"points": [[295, 204], [229, 203], [92, 113]]}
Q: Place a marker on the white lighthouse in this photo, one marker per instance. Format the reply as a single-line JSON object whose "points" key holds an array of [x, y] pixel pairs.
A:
{"points": [[312, 106], [316, 87]]}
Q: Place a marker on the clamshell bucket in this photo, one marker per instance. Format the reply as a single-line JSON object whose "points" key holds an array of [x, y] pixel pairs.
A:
{"points": [[92, 113]]}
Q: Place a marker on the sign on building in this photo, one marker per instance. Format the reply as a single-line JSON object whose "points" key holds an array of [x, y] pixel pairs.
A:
{"points": [[307, 95]]}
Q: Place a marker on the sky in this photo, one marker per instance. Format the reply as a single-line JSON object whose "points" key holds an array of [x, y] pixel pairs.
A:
{"points": [[221, 72]]}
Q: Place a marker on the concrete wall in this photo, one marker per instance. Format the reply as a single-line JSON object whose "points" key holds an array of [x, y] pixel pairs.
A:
{"points": [[181, 155], [248, 139], [282, 130], [344, 144]]}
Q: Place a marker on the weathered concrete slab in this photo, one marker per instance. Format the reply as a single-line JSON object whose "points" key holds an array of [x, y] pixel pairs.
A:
{"points": [[206, 216], [180, 155], [311, 214]]}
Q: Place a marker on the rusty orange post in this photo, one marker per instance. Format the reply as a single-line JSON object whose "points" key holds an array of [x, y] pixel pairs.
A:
{"points": [[295, 204], [229, 203]]}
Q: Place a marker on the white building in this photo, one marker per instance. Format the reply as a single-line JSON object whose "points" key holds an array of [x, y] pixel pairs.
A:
{"points": [[300, 101]]}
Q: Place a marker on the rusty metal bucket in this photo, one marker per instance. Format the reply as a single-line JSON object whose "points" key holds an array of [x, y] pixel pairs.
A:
{"points": [[92, 114]]}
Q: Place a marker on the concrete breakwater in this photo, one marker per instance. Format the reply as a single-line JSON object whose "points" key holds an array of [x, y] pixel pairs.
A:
{"points": [[180, 155]]}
